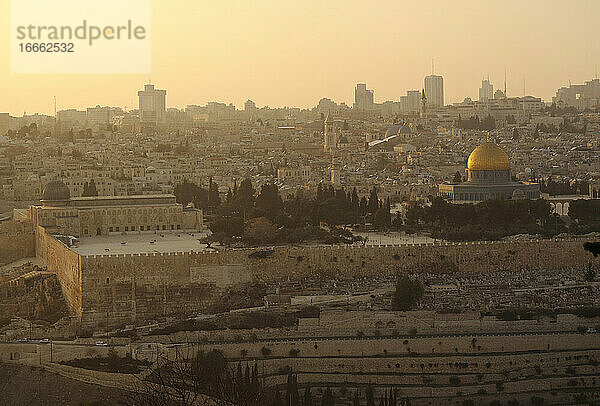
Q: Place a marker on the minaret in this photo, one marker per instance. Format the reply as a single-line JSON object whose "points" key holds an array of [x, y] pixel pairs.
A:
{"points": [[325, 134], [335, 173], [423, 109], [329, 135]]}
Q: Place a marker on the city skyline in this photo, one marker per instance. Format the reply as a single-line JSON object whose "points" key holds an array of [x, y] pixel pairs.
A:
{"points": [[234, 52]]}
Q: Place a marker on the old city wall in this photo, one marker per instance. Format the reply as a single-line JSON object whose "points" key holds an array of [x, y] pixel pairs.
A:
{"points": [[123, 289], [348, 262], [65, 263], [17, 241]]}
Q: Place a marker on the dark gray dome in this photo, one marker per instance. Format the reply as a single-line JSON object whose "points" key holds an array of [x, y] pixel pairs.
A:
{"points": [[56, 191]]}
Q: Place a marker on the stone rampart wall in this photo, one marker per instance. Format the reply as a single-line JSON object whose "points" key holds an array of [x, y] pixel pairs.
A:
{"points": [[66, 263], [17, 241], [352, 261], [123, 289]]}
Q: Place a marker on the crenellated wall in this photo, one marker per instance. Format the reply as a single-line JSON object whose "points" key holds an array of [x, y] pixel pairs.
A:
{"points": [[126, 288], [120, 289]]}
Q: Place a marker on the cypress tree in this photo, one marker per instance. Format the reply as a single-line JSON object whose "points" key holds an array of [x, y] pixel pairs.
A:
{"points": [[356, 399], [307, 396], [369, 394]]}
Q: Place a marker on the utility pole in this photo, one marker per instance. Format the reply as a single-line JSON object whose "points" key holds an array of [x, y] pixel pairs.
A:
{"points": [[51, 344]]}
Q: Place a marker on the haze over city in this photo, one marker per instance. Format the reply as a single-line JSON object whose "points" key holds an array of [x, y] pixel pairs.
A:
{"points": [[297, 52], [299, 203]]}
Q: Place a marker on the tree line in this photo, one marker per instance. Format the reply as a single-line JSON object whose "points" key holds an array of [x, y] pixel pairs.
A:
{"points": [[488, 220], [262, 216]]}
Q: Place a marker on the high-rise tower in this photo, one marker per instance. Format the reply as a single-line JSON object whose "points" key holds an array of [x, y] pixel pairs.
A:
{"points": [[434, 90], [152, 104], [363, 97], [486, 91]]}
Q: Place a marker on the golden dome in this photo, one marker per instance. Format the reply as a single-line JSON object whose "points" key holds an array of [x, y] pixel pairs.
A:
{"points": [[488, 157]]}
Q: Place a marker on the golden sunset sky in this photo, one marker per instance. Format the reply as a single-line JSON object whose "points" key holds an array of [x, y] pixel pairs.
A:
{"points": [[292, 53]]}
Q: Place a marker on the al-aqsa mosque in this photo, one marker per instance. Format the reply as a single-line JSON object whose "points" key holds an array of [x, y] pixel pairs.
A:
{"points": [[59, 213], [488, 177]]}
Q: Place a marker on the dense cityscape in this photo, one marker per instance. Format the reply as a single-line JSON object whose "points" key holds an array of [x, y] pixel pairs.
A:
{"points": [[413, 251]]}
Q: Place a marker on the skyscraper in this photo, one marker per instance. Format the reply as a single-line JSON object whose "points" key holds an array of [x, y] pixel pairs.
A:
{"points": [[413, 100], [152, 104], [486, 91], [434, 90], [363, 97]]}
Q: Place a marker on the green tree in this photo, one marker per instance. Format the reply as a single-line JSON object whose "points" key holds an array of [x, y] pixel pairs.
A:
{"points": [[328, 398], [260, 231], [307, 396], [268, 201], [356, 401], [408, 293], [370, 395], [373, 203], [292, 396], [383, 218], [457, 178], [89, 189], [590, 274]]}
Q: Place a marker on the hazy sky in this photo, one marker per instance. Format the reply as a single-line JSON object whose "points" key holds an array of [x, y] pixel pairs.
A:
{"points": [[292, 53]]}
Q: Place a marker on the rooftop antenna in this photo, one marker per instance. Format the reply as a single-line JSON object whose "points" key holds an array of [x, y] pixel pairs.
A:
{"points": [[524, 87], [505, 95]]}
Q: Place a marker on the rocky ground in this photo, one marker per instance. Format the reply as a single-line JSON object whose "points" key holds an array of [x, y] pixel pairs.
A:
{"points": [[23, 385], [35, 295]]}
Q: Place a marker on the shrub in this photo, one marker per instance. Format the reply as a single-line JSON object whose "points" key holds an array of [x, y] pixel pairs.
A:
{"points": [[537, 401]]}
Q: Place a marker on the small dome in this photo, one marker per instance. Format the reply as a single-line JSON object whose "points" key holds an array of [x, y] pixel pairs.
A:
{"points": [[56, 191], [397, 129], [488, 157]]}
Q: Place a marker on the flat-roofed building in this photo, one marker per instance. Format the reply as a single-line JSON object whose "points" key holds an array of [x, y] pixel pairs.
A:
{"points": [[59, 213]]}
